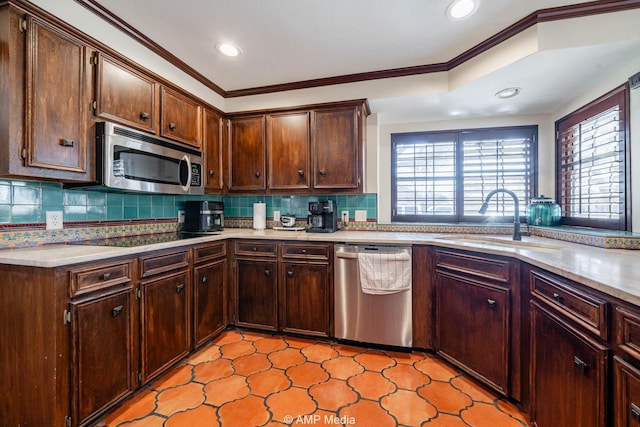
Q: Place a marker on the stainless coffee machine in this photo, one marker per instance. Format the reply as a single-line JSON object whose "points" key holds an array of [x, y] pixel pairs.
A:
{"points": [[323, 217], [203, 216]]}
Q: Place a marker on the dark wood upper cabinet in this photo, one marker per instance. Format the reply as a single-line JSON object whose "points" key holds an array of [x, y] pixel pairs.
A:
{"points": [[288, 150], [213, 138], [181, 118], [337, 148], [247, 151], [125, 95], [56, 99]]}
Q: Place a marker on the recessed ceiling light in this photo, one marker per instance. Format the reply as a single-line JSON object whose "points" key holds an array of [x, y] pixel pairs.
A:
{"points": [[461, 9], [228, 49], [509, 92]]}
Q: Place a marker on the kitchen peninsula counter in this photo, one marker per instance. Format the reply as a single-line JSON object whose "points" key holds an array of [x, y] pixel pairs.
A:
{"points": [[612, 271]]}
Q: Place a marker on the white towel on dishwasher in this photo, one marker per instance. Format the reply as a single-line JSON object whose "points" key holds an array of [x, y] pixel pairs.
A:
{"points": [[383, 273]]}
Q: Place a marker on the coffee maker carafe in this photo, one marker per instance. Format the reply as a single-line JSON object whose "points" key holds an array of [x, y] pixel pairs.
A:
{"points": [[322, 217]]}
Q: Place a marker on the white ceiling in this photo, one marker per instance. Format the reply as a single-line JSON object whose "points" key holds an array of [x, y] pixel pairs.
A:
{"points": [[285, 41]]}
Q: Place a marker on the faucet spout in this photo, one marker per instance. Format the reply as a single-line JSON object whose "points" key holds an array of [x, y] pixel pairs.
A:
{"points": [[517, 235]]}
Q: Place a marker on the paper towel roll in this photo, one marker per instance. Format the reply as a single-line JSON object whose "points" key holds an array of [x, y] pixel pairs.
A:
{"points": [[259, 216]]}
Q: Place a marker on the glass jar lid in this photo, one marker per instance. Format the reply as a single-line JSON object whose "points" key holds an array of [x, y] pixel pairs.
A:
{"points": [[542, 199]]}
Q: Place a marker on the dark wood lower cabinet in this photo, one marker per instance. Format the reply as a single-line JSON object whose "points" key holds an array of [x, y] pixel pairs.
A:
{"points": [[103, 353], [305, 298], [209, 300], [626, 396], [257, 294], [568, 373], [472, 327], [165, 322]]}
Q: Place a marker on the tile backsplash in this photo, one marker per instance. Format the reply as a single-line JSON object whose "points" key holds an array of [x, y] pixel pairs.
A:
{"points": [[25, 202]]}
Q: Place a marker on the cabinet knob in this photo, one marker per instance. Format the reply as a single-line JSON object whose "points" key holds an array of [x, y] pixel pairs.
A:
{"points": [[492, 303], [172, 126], [106, 276], [115, 311], [144, 116], [254, 249], [267, 273], [300, 172], [557, 297], [211, 173], [581, 365], [66, 143], [180, 288], [635, 411], [322, 172], [304, 252], [205, 279], [289, 273], [257, 174]]}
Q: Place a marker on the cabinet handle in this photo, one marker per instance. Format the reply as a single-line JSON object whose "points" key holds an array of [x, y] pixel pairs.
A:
{"points": [[267, 273], [492, 303], [635, 411], [322, 172], [144, 116], [304, 252], [172, 126], [211, 173], [204, 280], [179, 288], [66, 143], [580, 364], [290, 273], [115, 311], [254, 249], [557, 297], [106, 276], [257, 174], [300, 172]]}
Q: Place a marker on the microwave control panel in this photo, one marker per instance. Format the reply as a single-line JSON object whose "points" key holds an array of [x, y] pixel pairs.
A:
{"points": [[196, 175]]}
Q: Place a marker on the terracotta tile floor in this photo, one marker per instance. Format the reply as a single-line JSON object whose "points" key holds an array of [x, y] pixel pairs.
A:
{"points": [[245, 379]]}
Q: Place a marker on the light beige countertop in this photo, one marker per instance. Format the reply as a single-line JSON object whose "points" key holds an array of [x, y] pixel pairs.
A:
{"points": [[613, 271]]}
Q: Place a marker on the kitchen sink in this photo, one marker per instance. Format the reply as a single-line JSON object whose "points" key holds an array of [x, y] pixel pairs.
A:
{"points": [[505, 242]]}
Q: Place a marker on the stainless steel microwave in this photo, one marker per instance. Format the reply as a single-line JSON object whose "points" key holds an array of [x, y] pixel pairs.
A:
{"points": [[130, 160]]}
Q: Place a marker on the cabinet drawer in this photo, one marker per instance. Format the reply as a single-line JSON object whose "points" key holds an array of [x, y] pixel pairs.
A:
{"points": [[305, 251], [92, 278], [161, 262], [209, 251], [486, 268], [256, 248], [585, 309], [628, 331]]}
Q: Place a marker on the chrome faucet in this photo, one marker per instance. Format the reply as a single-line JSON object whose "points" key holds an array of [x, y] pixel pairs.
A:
{"points": [[517, 234]]}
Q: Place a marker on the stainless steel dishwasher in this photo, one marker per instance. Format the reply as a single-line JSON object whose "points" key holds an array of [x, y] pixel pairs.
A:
{"points": [[362, 317]]}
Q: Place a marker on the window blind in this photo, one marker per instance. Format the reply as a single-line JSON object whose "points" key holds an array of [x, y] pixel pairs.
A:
{"points": [[591, 180]]}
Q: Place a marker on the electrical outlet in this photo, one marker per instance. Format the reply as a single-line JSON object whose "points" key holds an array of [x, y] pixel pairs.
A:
{"points": [[345, 216], [276, 216], [54, 220], [361, 216], [180, 217]]}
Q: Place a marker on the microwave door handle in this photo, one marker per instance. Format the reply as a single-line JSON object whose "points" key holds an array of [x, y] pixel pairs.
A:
{"points": [[187, 185]]}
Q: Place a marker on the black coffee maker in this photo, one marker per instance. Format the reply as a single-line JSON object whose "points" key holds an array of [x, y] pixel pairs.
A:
{"points": [[322, 217], [203, 216]]}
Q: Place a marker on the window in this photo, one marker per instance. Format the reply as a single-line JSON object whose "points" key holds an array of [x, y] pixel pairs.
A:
{"points": [[445, 176], [592, 172]]}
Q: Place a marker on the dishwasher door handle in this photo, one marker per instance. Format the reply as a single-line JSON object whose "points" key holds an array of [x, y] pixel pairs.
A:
{"points": [[347, 255]]}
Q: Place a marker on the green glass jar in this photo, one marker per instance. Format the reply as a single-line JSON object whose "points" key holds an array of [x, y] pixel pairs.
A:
{"points": [[543, 211]]}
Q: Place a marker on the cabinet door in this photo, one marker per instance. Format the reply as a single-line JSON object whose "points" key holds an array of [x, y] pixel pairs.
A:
{"points": [[626, 396], [212, 150], [165, 323], [568, 374], [209, 300], [247, 153], [337, 148], [103, 360], [57, 99], [124, 95], [288, 150], [305, 298], [181, 118], [257, 295], [472, 327]]}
